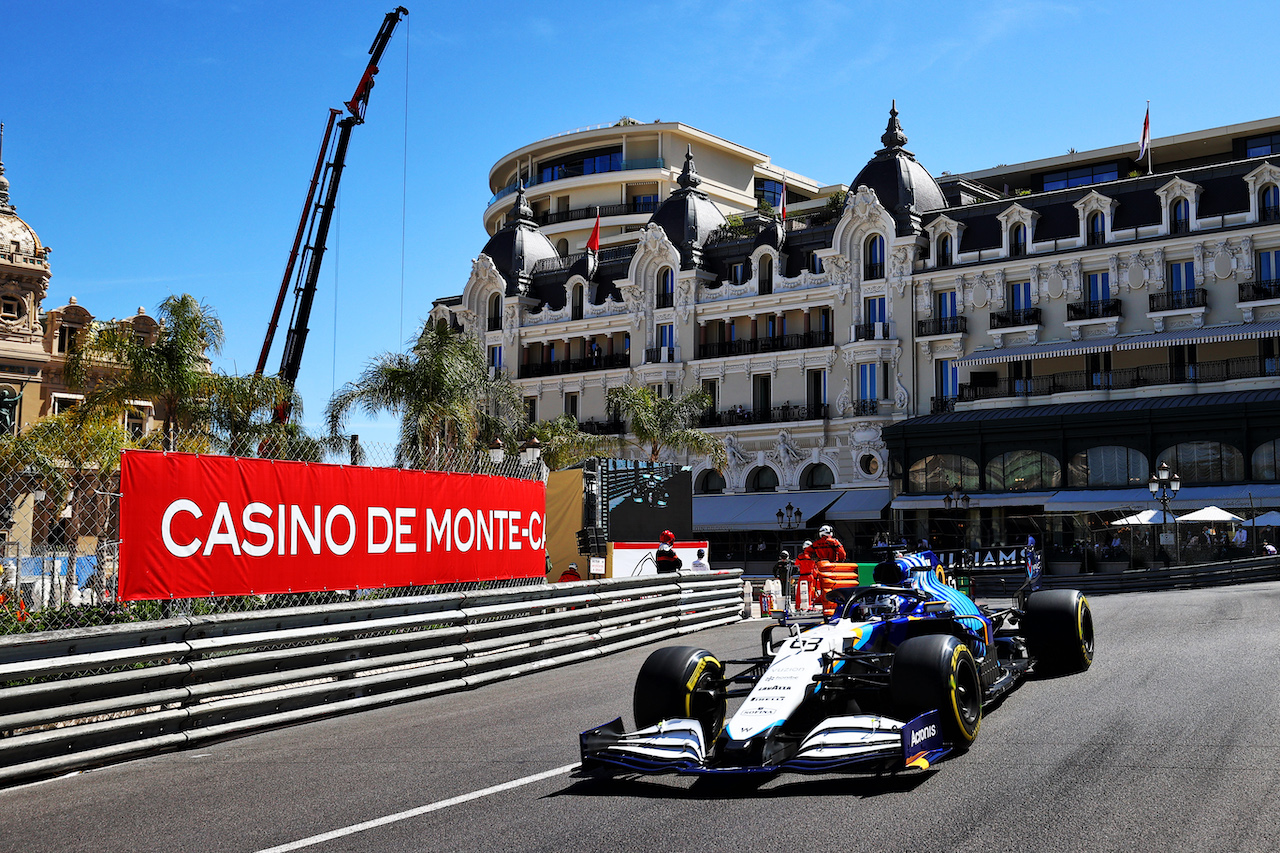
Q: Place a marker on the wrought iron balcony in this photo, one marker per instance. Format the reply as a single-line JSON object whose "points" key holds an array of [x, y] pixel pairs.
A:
{"points": [[866, 407], [1095, 238], [575, 365], [1176, 300], [1180, 226], [874, 271], [957, 325], [941, 405], [1270, 213], [1018, 248], [744, 416], [576, 214], [1016, 317], [1255, 291], [612, 426], [661, 355], [776, 343], [880, 331], [665, 299], [1095, 309]]}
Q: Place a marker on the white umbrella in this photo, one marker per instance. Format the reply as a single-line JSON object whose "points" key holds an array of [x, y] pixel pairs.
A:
{"points": [[1147, 516], [1209, 513], [1267, 519]]}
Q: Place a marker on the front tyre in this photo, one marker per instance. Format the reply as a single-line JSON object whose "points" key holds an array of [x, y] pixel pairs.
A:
{"points": [[681, 682], [1058, 626], [938, 672]]}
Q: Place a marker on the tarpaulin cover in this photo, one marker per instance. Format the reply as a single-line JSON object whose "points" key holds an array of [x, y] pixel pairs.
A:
{"points": [[194, 526]]}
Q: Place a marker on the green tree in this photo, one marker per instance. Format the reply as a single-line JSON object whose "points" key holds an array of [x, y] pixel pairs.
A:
{"points": [[116, 366], [564, 444], [242, 413], [442, 393], [655, 423]]}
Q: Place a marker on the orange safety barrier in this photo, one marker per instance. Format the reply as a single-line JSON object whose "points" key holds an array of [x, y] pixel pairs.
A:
{"points": [[829, 576]]}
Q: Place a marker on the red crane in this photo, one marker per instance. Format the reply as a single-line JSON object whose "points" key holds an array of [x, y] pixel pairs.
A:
{"points": [[313, 227]]}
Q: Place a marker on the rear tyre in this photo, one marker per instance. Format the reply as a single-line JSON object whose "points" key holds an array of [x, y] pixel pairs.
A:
{"points": [[938, 672], [1059, 631], [681, 681]]}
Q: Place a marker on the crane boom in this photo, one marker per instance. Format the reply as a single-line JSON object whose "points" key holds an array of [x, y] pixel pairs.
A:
{"points": [[304, 293]]}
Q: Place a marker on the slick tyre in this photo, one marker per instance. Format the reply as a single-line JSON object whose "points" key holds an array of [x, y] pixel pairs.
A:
{"points": [[681, 681], [1058, 628], [938, 672]]}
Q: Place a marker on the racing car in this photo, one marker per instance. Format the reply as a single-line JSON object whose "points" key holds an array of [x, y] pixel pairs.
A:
{"points": [[894, 680]]}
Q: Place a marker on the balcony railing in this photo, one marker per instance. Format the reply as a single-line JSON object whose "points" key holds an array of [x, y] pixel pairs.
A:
{"points": [[866, 407], [575, 365], [576, 214], [612, 426], [942, 405], [613, 254], [661, 355], [1270, 213], [664, 299], [534, 180], [879, 331], [495, 323], [776, 343], [1095, 238], [1016, 317], [874, 271], [1018, 248], [1224, 370], [1176, 300], [1254, 291], [1180, 226], [743, 416], [1093, 309], [957, 325]]}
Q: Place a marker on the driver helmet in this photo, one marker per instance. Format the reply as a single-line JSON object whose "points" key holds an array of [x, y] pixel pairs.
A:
{"points": [[784, 556], [826, 530], [667, 536], [808, 543]]}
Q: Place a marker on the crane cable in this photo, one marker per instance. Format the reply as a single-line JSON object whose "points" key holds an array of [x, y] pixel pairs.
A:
{"points": [[404, 177]]}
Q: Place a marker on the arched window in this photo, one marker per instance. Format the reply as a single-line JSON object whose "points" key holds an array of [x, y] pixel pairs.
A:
{"points": [[495, 312], [762, 479], [941, 471], [766, 274], [1018, 240], [711, 483], [1269, 203], [1180, 216], [1109, 465], [944, 250], [1096, 232], [1204, 462], [562, 247], [575, 310], [817, 476], [875, 257], [1023, 470], [666, 288]]}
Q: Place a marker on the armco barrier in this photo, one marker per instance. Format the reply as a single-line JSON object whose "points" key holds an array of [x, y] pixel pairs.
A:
{"points": [[1138, 580], [76, 699]]}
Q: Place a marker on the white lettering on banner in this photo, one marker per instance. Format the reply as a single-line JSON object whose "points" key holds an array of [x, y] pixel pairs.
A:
{"points": [[380, 513], [437, 531], [334, 530], [403, 529], [180, 505], [263, 530], [339, 511], [222, 531]]}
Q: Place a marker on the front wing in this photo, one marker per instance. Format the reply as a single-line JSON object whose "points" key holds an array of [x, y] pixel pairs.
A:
{"points": [[855, 743]]}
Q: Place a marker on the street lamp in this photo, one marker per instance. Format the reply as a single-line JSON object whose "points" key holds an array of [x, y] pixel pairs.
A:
{"points": [[1164, 485], [955, 498], [790, 518]]}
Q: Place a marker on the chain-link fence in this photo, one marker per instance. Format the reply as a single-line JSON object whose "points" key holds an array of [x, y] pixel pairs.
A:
{"points": [[60, 525]]}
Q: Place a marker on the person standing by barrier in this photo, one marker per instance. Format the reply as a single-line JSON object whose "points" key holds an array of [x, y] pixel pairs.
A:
{"points": [[699, 564], [666, 558], [827, 547]]}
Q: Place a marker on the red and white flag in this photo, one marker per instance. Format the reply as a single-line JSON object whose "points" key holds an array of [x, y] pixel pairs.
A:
{"points": [[593, 244], [784, 201], [1146, 134]]}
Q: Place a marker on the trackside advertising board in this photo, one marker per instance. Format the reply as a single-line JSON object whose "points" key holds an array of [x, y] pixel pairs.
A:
{"points": [[194, 526]]}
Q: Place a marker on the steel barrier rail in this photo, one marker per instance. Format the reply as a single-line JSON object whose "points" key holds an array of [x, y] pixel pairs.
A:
{"points": [[1251, 570], [77, 699]]}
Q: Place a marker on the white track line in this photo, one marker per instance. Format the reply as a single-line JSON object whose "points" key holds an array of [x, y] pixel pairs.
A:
{"points": [[420, 810]]}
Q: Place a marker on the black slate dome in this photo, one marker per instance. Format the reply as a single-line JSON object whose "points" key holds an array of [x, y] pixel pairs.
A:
{"points": [[773, 234], [904, 187], [688, 215], [518, 246]]}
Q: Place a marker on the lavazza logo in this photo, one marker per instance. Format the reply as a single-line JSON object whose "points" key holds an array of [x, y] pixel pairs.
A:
{"points": [[260, 529], [924, 733]]}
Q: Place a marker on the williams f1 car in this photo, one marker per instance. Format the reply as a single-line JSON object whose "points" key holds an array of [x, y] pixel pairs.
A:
{"points": [[896, 679]]}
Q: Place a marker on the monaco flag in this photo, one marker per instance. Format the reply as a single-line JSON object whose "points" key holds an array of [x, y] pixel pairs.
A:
{"points": [[1146, 134], [593, 244]]}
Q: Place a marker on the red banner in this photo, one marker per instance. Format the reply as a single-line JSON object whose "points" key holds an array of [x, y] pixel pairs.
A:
{"points": [[195, 526]]}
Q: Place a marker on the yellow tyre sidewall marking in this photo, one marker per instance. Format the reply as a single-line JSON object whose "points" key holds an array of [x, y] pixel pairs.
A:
{"points": [[955, 695]]}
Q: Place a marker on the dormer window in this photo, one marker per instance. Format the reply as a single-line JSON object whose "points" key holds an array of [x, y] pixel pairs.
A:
{"points": [[1096, 232], [875, 257], [944, 250], [1180, 216], [1017, 240], [575, 310], [766, 274], [1269, 203], [495, 312], [666, 288], [67, 338]]}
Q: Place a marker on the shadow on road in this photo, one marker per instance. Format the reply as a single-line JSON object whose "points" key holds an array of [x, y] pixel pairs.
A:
{"points": [[755, 786]]}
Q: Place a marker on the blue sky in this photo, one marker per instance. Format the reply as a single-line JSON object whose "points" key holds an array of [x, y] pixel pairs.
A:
{"points": [[164, 146]]}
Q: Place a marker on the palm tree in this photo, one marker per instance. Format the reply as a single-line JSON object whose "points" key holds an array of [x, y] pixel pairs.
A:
{"points": [[655, 423], [242, 412], [441, 390], [564, 444], [172, 371]]}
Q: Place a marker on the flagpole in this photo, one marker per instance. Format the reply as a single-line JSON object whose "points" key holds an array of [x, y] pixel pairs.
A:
{"points": [[1148, 136]]}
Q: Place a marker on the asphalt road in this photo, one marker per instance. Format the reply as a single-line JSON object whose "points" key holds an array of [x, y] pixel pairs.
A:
{"points": [[1170, 742]]}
